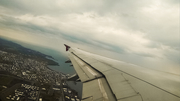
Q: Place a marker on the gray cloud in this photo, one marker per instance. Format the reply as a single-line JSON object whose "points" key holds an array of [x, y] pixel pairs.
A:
{"points": [[148, 29]]}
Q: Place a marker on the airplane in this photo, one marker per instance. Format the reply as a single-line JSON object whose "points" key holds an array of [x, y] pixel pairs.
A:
{"points": [[106, 79]]}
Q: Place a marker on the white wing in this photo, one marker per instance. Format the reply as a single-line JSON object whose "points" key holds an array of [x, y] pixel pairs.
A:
{"points": [[106, 79]]}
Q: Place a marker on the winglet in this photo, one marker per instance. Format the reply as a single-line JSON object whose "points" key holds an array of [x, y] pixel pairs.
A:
{"points": [[67, 47]]}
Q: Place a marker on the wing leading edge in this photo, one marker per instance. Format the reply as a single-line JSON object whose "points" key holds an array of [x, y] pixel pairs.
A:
{"points": [[106, 79]]}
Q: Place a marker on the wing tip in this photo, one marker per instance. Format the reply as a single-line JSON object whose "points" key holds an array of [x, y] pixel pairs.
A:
{"points": [[67, 47]]}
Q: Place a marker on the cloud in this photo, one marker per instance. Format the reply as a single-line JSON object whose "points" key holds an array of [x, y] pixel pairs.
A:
{"points": [[144, 29]]}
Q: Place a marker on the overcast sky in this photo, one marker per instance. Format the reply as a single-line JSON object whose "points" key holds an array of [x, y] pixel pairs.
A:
{"points": [[144, 32]]}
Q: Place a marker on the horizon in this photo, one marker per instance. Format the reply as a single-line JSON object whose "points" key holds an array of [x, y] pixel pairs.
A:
{"points": [[145, 33]]}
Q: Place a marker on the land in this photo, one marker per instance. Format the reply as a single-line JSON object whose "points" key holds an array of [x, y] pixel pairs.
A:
{"points": [[15, 48], [24, 75]]}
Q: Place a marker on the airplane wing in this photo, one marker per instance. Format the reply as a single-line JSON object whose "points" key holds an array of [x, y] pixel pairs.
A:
{"points": [[105, 79]]}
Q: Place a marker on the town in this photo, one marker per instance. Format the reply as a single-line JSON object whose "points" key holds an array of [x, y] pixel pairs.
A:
{"points": [[27, 77]]}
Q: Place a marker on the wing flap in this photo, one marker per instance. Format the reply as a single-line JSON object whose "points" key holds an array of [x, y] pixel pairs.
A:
{"points": [[97, 89], [132, 98], [85, 71], [79, 71], [119, 85]]}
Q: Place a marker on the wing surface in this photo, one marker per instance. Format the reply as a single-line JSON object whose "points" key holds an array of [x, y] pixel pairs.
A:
{"points": [[106, 79]]}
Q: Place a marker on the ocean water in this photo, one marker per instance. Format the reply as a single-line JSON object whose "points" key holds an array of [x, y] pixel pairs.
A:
{"points": [[64, 68], [60, 58]]}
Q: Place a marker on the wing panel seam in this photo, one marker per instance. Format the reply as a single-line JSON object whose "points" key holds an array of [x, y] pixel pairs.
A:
{"points": [[142, 80]]}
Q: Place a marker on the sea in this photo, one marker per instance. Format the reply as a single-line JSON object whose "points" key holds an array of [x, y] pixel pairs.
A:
{"points": [[60, 58], [63, 67]]}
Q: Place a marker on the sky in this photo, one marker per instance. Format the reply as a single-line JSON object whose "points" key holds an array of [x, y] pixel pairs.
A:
{"points": [[142, 32]]}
